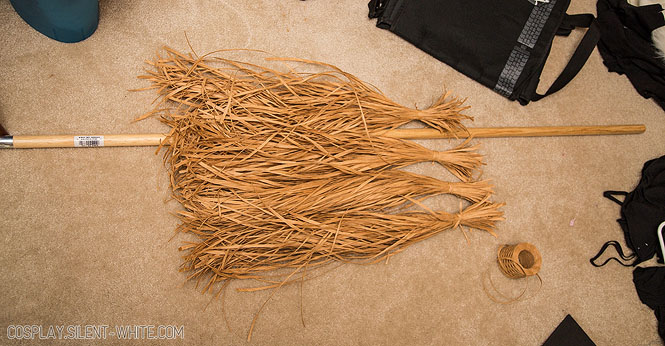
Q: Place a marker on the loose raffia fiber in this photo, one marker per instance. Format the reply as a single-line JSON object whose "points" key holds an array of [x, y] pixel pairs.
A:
{"points": [[281, 172], [245, 252], [330, 101], [295, 156], [376, 191]]}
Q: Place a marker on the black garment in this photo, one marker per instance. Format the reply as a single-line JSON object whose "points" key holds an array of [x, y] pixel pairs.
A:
{"points": [[568, 333], [626, 47], [642, 211], [501, 44], [650, 286]]}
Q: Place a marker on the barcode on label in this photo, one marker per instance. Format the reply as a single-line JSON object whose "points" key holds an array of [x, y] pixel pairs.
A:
{"points": [[88, 141]]}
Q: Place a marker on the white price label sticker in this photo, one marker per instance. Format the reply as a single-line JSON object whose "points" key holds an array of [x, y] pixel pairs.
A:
{"points": [[88, 141]]}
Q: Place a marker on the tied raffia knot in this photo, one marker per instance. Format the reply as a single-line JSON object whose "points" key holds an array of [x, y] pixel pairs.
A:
{"points": [[445, 114]]}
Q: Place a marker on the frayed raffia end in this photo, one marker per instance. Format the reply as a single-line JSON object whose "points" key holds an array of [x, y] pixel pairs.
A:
{"points": [[482, 215], [461, 161], [475, 191], [445, 115], [451, 106]]}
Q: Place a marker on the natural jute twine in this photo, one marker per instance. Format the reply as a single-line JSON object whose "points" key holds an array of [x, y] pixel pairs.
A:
{"points": [[515, 261], [519, 260]]}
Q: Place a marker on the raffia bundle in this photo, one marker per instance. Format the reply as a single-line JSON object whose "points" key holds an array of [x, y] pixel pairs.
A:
{"points": [[330, 101], [295, 155], [248, 251], [377, 191], [282, 172]]}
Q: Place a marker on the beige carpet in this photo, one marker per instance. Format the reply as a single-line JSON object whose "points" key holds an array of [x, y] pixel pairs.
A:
{"points": [[85, 233]]}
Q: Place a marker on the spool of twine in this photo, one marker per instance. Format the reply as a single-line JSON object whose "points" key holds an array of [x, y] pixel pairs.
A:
{"points": [[515, 261], [519, 260]]}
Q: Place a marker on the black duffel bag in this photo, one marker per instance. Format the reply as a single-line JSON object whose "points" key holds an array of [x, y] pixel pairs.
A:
{"points": [[501, 44]]}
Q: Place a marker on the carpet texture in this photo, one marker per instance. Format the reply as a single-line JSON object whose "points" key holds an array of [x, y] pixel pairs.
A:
{"points": [[85, 232]]}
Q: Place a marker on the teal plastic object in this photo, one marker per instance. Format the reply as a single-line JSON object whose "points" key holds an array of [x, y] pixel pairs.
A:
{"points": [[62, 20]]}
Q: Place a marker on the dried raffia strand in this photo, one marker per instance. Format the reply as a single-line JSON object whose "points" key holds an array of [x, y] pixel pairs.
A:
{"points": [[330, 101], [282, 172], [388, 189], [361, 236], [292, 154]]}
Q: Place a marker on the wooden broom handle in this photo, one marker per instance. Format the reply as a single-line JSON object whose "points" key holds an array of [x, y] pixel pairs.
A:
{"points": [[154, 139], [538, 131]]}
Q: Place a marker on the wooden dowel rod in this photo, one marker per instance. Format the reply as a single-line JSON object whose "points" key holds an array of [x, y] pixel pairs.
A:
{"points": [[540, 131], [154, 139], [70, 141]]}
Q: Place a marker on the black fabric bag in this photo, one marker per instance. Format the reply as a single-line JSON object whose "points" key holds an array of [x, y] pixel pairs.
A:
{"points": [[642, 211], [501, 44]]}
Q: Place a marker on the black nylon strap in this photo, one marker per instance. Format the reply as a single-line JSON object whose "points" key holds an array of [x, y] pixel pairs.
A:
{"points": [[580, 56], [572, 21], [610, 195], [619, 250], [582, 20]]}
